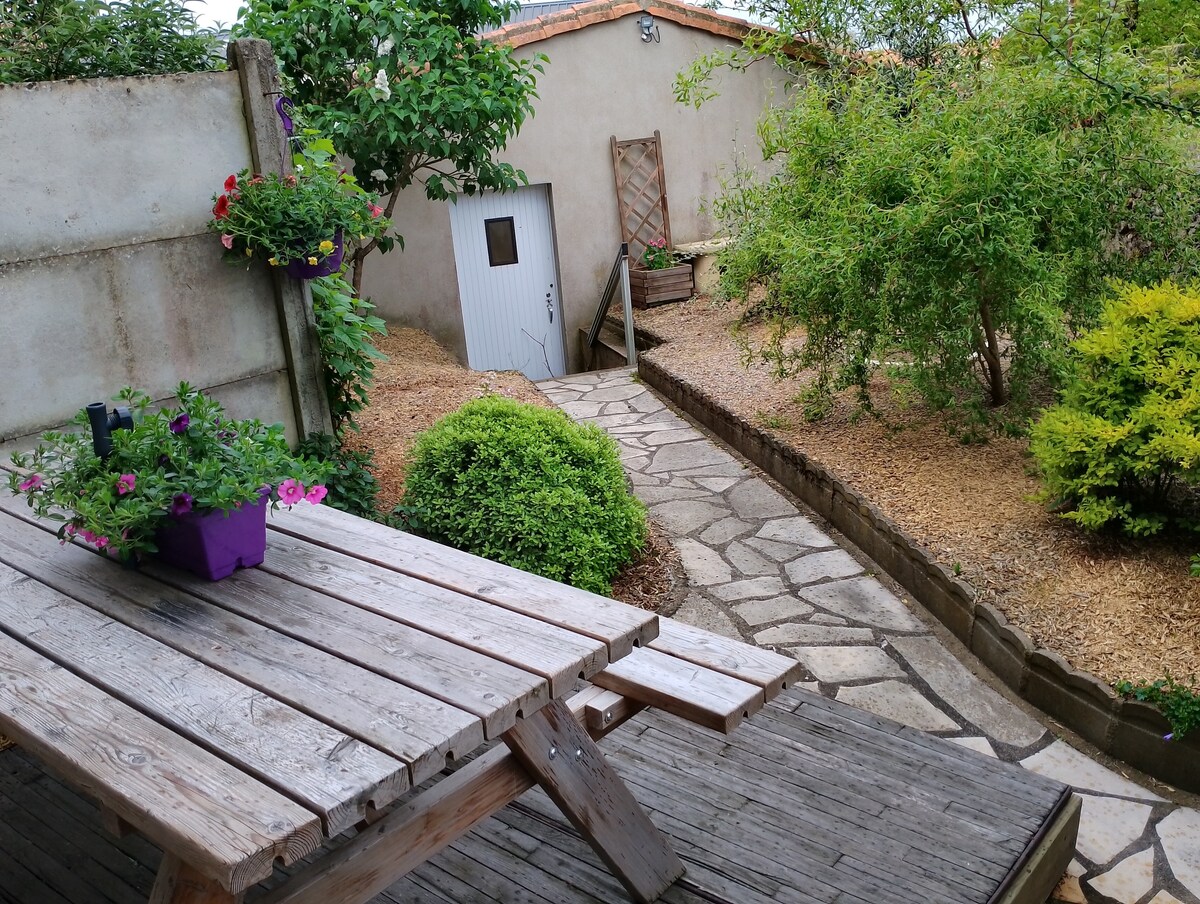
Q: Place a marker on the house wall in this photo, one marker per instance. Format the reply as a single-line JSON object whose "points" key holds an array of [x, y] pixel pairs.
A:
{"points": [[108, 277], [601, 80]]}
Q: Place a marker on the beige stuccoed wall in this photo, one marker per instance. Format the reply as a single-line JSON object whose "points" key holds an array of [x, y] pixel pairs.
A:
{"points": [[601, 80], [108, 277]]}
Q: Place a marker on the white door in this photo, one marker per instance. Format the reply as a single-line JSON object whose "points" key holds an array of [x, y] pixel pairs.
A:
{"points": [[508, 282]]}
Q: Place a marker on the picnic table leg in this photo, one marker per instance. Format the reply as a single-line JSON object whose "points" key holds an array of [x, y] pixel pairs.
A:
{"points": [[178, 883], [558, 753]]}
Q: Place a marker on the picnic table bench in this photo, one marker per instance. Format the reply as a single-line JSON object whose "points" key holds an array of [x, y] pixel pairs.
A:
{"points": [[242, 723]]}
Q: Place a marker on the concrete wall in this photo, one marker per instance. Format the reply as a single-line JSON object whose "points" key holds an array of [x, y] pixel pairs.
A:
{"points": [[601, 81], [107, 275]]}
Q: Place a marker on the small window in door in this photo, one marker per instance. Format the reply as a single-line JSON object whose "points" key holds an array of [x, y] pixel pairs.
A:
{"points": [[501, 241]]}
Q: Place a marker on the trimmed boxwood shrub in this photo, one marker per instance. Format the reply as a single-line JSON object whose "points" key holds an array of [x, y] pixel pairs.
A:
{"points": [[528, 487], [1122, 448]]}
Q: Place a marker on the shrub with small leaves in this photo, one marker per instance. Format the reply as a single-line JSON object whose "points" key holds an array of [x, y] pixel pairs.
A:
{"points": [[351, 484], [528, 487], [1122, 448], [1180, 703]]}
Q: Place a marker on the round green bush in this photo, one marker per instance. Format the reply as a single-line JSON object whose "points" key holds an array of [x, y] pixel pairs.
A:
{"points": [[528, 487], [1122, 448]]}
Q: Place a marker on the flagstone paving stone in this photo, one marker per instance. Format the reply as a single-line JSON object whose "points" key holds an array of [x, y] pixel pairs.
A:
{"points": [[1130, 880], [735, 524]]}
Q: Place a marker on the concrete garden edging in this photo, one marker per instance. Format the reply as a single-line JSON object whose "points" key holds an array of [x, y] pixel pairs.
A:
{"points": [[1126, 729]]}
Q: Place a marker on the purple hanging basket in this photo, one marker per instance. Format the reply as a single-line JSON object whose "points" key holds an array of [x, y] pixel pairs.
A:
{"points": [[215, 544], [300, 268]]}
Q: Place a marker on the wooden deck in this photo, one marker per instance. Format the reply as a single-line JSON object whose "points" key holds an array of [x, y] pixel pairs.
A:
{"points": [[810, 801]]}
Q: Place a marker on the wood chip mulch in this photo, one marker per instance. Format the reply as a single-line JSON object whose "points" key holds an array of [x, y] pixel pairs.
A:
{"points": [[421, 382], [1114, 607]]}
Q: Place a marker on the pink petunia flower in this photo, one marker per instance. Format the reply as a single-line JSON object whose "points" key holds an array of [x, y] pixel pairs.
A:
{"points": [[316, 493], [376, 210], [227, 240], [101, 542], [291, 491], [125, 483], [31, 483]]}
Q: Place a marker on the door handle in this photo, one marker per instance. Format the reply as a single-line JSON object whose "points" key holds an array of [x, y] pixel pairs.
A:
{"points": [[550, 307]]}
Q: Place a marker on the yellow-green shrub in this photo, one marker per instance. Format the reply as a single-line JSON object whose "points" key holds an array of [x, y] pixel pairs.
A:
{"points": [[1122, 448]]}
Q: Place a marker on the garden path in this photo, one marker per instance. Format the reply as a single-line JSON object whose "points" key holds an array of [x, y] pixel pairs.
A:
{"points": [[761, 568]]}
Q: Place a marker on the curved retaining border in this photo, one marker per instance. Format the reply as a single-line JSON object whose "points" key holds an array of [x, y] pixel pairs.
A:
{"points": [[1126, 729]]}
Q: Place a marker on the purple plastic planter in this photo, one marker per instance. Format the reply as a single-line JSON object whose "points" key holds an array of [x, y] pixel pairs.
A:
{"points": [[214, 544], [299, 268]]}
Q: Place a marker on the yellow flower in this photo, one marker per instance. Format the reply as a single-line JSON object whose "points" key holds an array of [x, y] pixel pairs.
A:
{"points": [[361, 237], [274, 262], [312, 261], [325, 247], [249, 252]]}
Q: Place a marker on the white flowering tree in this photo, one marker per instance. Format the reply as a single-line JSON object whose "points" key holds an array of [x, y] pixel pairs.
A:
{"points": [[404, 87]]}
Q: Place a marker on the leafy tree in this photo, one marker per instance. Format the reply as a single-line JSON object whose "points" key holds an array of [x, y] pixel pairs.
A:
{"points": [[405, 88], [963, 226], [46, 40]]}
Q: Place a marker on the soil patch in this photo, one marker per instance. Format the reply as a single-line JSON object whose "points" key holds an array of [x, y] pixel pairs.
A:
{"points": [[1113, 607], [419, 383]]}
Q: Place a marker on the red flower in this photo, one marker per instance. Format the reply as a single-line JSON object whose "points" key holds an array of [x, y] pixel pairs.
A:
{"points": [[221, 210], [231, 183]]}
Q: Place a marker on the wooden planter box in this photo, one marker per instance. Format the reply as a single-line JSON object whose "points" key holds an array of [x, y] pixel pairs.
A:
{"points": [[653, 287]]}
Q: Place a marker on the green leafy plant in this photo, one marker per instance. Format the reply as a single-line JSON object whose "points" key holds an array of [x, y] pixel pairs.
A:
{"points": [[345, 329], [1180, 703], [1122, 448], [406, 88], [528, 487], [47, 40], [302, 216], [351, 484], [657, 256], [173, 461], [964, 223]]}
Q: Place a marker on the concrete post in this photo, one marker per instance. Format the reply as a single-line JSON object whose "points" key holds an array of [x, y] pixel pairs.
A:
{"points": [[255, 65]]}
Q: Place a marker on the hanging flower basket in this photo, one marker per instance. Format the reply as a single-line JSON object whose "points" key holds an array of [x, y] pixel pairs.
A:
{"points": [[313, 266]]}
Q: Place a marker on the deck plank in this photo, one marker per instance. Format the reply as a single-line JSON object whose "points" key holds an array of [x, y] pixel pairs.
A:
{"points": [[756, 818]]}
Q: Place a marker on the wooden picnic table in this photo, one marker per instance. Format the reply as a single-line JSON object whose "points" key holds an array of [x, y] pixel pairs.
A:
{"points": [[244, 722]]}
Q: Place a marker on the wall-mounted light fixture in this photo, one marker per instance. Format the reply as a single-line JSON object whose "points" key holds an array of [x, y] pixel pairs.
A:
{"points": [[649, 29]]}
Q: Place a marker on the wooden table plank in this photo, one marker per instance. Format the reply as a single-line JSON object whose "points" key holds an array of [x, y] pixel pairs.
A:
{"points": [[770, 671], [324, 770], [560, 656], [409, 725], [226, 824], [621, 627], [488, 688]]}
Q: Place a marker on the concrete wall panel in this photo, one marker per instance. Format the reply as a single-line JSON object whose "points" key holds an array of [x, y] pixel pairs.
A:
{"points": [[103, 162], [148, 316]]}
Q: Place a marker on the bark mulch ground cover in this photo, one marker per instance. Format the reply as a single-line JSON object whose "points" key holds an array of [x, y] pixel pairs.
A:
{"points": [[1113, 607]]}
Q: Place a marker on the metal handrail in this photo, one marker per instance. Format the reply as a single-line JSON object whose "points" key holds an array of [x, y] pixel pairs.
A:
{"points": [[617, 277]]}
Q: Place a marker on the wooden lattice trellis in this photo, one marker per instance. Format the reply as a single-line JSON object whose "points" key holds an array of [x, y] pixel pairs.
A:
{"points": [[641, 193]]}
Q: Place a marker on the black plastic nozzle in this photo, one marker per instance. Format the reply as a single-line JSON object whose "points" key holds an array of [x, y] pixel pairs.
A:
{"points": [[104, 423]]}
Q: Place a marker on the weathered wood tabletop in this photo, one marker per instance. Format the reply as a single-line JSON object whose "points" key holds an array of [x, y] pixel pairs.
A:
{"points": [[242, 722]]}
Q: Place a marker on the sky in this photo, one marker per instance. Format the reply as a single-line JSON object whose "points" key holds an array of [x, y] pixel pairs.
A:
{"points": [[210, 12]]}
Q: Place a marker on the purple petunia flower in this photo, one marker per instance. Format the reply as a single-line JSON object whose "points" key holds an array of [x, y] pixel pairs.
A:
{"points": [[181, 504], [180, 424]]}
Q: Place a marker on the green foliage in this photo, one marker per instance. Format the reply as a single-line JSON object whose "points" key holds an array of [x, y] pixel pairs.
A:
{"points": [[171, 462], [963, 223], [351, 484], [345, 328], [46, 40], [280, 217], [1178, 702], [1123, 446], [528, 487], [405, 88]]}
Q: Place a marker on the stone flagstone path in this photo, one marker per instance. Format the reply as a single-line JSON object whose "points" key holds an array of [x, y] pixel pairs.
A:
{"points": [[761, 570]]}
